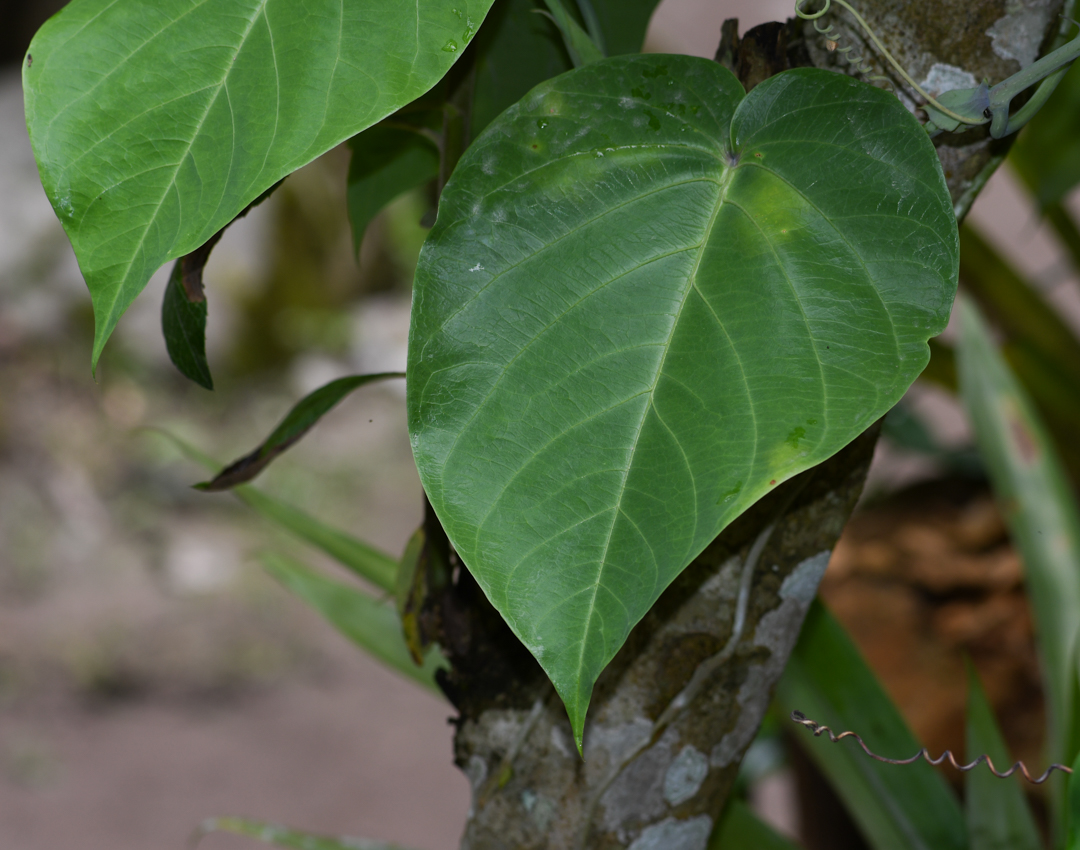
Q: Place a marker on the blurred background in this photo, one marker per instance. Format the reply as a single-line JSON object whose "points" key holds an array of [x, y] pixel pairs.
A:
{"points": [[152, 675]]}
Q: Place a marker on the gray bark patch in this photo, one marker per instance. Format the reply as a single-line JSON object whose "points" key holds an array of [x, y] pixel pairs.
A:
{"points": [[671, 834], [684, 777], [776, 631], [944, 77], [1019, 34], [637, 794]]}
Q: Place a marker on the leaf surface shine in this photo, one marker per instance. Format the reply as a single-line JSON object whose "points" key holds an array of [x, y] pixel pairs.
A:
{"points": [[155, 122], [648, 300]]}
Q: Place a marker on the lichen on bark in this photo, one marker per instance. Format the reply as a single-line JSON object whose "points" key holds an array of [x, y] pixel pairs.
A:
{"points": [[662, 748], [943, 45]]}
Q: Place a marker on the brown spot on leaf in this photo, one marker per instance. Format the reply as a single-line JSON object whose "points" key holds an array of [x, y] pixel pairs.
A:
{"points": [[1023, 439]]}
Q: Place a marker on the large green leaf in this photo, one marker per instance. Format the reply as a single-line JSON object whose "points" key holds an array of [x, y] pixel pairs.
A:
{"points": [[897, 807], [998, 815], [648, 300], [1038, 504], [154, 122]]}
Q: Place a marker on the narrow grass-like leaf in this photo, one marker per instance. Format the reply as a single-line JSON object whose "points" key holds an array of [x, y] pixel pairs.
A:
{"points": [[740, 829], [297, 422], [370, 624], [364, 560], [1047, 152], [905, 429], [1038, 504], [897, 807], [594, 27], [1018, 309], [622, 22], [291, 839], [154, 122], [1072, 808], [998, 815], [629, 326], [183, 324], [579, 44]]}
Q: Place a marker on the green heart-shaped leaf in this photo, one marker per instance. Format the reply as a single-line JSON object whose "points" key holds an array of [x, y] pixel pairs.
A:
{"points": [[154, 122], [648, 300]]}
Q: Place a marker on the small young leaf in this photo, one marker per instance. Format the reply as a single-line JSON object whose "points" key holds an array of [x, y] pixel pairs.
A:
{"points": [[297, 422], [370, 624], [183, 324], [740, 829], [422, 575], [406, 572], [998, 816], [596, 387], [183, 313], [1038, 505], [388, 160], [897, 807], [290, 839]]}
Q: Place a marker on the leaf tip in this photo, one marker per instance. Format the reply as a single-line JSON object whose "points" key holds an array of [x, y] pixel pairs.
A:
{"points": [[576, 710]]}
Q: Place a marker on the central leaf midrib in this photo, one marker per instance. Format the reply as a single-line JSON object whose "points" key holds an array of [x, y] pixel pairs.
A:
{"points": [[530, 258], [724, 183], [261, 9]]}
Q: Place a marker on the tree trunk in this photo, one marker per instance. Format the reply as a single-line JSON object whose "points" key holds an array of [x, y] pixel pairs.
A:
{"points": [[673, 714]]}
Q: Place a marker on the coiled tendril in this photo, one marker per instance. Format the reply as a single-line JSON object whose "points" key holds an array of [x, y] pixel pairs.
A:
{"points": [[833, 39], [818, 730], [859, 62]]}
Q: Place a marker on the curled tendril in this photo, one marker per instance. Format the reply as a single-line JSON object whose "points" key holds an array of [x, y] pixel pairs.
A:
{"points": [[859, 62], [834, 37], [819, 729]]}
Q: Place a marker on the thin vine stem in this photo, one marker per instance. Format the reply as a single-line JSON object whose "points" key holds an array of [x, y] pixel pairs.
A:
{"points": [[818, 729], [813, 16]]}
